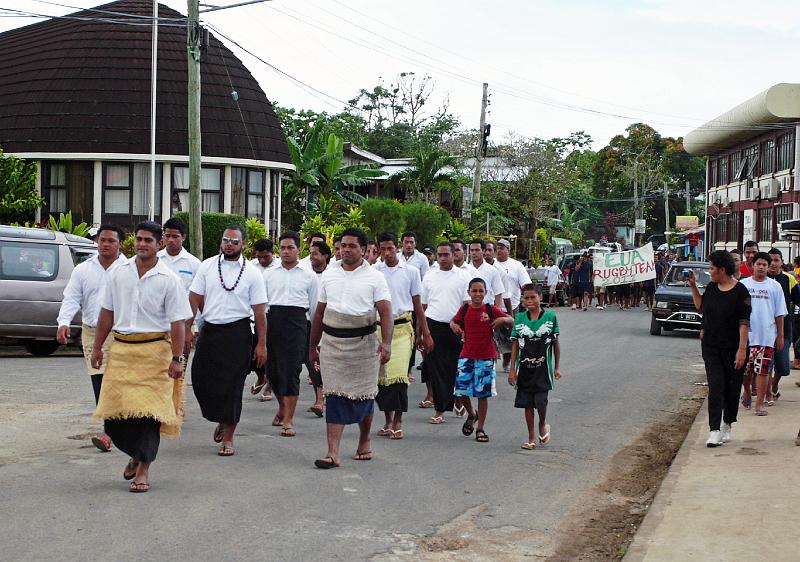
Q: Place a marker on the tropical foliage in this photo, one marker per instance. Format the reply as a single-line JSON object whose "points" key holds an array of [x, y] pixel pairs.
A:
{"points": [[18, 196], [432, 172], [64, 224]]}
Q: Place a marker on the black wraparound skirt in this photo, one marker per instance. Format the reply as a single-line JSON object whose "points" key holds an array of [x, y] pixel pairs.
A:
{"points": [[221, 364], [441, 364]]}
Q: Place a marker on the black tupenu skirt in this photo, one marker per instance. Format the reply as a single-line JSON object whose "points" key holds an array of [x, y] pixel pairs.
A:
{"points": [[220, 365], [393, 398], [138, 438], [287, 346], [441, 364]]}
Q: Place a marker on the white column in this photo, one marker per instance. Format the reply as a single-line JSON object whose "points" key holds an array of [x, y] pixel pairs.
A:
{"points": [[280, 202], [38, 213], [226, 189], [707, 234], [267, 197], [97, 203], [166, 192]]}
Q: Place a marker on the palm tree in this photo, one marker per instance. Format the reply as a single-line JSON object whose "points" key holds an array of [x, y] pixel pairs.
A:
{"points": [[427, 176], [319, 169]]}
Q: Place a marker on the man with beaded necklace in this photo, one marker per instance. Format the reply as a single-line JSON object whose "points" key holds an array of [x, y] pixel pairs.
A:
{"points": [[228, 291]]}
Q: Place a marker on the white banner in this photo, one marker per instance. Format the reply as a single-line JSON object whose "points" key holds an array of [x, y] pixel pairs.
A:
{"points": [[619, 268]]}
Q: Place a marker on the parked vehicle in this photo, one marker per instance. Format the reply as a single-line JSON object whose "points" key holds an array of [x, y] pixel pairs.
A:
{"points": [[673, 306], [35, 266], [539, 277]]}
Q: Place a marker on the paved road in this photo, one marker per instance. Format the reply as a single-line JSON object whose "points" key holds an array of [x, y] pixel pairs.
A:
{"points": [[62, 499]]}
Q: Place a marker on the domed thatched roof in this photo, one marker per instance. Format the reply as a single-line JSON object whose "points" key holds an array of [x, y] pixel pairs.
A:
{"points": [[83, 86]]}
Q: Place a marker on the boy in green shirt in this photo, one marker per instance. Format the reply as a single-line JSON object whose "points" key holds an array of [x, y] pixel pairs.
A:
{"points": [[534, 362]]}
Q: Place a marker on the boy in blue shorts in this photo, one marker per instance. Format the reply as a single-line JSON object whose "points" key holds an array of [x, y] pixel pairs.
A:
{"points": [[534, 362], [476, 322]]}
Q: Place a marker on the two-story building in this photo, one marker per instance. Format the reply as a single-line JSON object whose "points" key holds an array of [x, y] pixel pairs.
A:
{"points": [[752, 180]]}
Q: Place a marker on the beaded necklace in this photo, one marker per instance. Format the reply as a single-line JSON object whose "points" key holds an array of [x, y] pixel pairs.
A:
{"points": [[222, 281]]}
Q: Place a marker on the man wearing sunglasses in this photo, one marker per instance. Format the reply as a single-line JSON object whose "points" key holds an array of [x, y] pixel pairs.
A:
{"points": [[227, 289]]}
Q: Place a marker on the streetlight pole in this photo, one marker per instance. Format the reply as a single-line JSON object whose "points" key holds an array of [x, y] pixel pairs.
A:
{"points": [[151, 211], [193, 39]]}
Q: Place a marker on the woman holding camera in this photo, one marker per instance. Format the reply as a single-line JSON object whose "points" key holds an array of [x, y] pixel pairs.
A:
{"points": [[725, 306]]}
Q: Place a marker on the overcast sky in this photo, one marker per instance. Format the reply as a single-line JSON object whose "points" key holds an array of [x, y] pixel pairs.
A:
{"points": [[551, 65]]}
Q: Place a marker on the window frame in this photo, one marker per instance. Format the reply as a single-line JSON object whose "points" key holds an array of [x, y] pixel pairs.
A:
{"points": [[47, 186], [106, 188], [55, 248], [762, 219], [219, 192]]}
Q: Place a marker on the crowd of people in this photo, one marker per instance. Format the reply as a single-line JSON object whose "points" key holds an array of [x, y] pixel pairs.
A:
{"points": [[352, 315], [748, 329]]}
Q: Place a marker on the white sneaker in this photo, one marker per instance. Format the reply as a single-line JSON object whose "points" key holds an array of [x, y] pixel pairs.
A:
{"points": [[725, 432], [714, 439], [574, 307], [599, 308]]}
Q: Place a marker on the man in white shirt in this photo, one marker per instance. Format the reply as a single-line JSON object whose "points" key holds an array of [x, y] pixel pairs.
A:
{"points": [[345, 345], [320, 256], [490, 275], [182, 263], [444, 291], [412, 256], [83, 292], [305, 263], [227, 289], [552, 276], [143, 392], [765, 334], [264, 251], [291, 292], [405, 288]]}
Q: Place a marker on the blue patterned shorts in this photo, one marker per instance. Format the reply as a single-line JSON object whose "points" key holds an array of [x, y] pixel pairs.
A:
{"points": [[474, 378]]}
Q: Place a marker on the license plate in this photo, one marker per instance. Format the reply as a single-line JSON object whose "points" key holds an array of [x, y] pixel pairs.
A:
{"points": [[688, 316]]}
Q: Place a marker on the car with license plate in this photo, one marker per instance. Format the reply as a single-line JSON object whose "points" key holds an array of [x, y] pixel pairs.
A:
{"points": [[538, 276], [35, 266], [673, 307]]}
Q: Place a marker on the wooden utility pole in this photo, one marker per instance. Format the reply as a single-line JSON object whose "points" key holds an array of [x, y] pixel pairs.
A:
{"points": [[688, 200], [635, 201], [476, 180], [193, 41], [666, 215]]}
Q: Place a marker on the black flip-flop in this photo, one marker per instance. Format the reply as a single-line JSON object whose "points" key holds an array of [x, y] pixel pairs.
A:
{"points": [[218, 433], [469, 426], [325, 463], [130, 470], [481, 437]]}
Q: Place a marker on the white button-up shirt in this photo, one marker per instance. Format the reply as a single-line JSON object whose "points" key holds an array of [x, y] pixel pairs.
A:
{"points": [[418, 260], [490, 275], [292, 287], [517, 278], [221, 306], [147, 304], [272, 265], [444, 292], [184, 266], [84, 291], [404, 284], [353, 292]]}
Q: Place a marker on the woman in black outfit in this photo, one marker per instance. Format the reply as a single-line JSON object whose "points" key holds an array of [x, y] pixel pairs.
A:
{"points": [[725, 305]]}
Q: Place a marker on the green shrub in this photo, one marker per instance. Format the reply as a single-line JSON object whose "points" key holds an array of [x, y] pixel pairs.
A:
{"points": [[213, 226], [65, 224], [425, 220], [381, 215], [255, 231], [128, 246]]}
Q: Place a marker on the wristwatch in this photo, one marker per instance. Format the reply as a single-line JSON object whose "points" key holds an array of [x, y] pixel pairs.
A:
{"points": [[178, 359]]}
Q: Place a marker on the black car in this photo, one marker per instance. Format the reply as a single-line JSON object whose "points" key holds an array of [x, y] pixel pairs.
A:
{"points": [[673, 306]]}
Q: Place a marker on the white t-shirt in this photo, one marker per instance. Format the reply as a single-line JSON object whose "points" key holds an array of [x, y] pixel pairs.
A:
{"points": [[404, 284], [353, 292], [766, 298], [517, 278], [552, 274], [221, 306], [184, 265], [444, 292], [490, 274]]}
